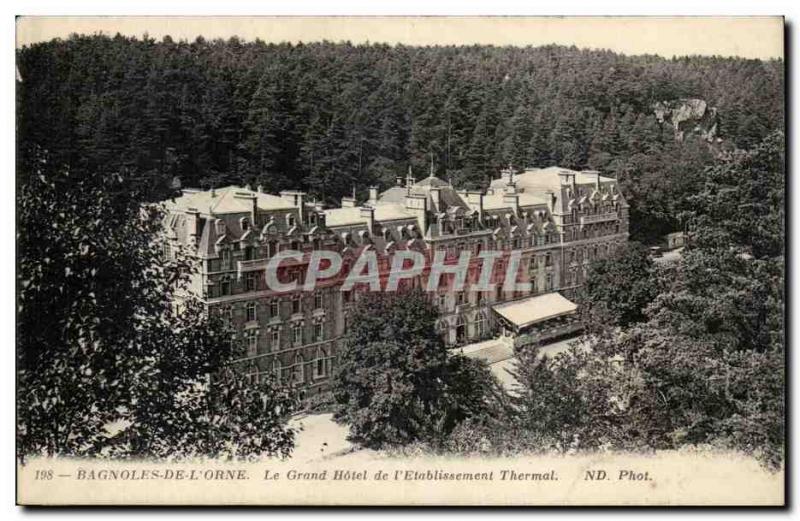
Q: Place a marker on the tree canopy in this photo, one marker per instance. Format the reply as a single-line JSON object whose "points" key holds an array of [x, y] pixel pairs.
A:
{"points": [[705, 364], [108, 363], [395, 382], [325, 116]]}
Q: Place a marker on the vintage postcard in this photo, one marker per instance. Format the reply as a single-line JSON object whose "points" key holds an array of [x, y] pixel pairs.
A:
{"points": [[400, 261]]}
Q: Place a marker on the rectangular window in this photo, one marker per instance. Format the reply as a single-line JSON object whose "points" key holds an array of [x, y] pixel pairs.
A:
{"points": [[318, 301], [251, 311], [319, 368], [276, 340], [226, 259], [296, 306], [318, 332], [252, 343], [225, 287], [250, 282], [273, 308], [297, 331], [549, 282]]}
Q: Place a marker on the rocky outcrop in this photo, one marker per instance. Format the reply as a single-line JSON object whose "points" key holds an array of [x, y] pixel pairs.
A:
{"points": [[688, 116]]}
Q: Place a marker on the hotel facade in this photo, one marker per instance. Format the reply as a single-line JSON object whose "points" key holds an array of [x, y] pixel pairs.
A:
{"points": [[558, 221]]}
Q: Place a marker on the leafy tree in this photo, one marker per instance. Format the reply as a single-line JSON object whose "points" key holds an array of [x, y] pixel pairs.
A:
{"points": [[108, 365], [689, 353], [619, 287], [395, 382], [549, 405]]}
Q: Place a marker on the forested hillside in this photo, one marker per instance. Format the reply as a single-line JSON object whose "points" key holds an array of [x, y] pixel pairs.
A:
{"points": [[324, 117]]}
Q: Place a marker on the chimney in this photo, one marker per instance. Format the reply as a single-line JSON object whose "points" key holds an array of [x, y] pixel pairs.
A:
{"points": [[368, 215], [474, 200], [596, 175], [253, 203], [373, 194], [193, 225], [436, 198], [410, 178], [512, 199], [296, 199], [567, 178], [260, 189], [348, 202], [551, 200], [507, 174], [418, 205]]}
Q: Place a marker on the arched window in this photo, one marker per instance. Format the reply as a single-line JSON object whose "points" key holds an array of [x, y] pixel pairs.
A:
{"points": [[299, 370], [461, 329], [291, 221], [480, 325], [220, 226]]}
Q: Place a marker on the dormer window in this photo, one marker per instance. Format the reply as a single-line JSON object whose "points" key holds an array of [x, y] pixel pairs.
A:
{"points": [[220, 226]]}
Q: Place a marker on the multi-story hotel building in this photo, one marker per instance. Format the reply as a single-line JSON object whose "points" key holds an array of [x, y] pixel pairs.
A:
{"points": [[558, 219]]}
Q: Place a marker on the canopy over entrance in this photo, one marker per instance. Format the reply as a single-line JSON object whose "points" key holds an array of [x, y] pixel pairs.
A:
{"points": [[524, 313]]}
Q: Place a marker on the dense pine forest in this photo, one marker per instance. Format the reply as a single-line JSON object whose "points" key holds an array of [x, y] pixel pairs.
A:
{"points": [[325, 117]]}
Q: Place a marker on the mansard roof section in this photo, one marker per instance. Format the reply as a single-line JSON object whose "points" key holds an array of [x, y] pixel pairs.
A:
{"points": [[550, 178], [228, 200], [440, 194], [349, 216], [395, 194], [498, 201]]}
